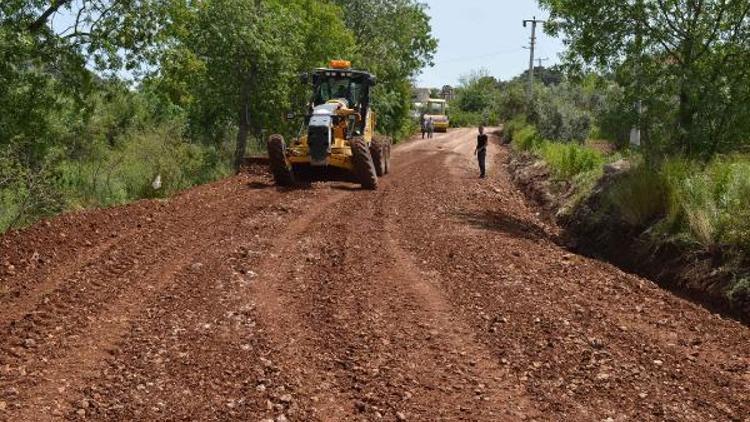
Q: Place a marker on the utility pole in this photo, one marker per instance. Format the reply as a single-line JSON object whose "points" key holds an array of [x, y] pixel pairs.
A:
{"points": [[539, 61], [635, 132], [534, 21]]}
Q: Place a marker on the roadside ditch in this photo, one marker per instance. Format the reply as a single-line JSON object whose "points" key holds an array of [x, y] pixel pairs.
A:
{"points": [[594, 229]]}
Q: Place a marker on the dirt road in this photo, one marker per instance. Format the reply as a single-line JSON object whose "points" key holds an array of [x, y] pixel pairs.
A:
{"points": [[438, 297]]}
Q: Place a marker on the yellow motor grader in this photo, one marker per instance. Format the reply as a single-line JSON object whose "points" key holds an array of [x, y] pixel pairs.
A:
{"points": [[338, 130]]}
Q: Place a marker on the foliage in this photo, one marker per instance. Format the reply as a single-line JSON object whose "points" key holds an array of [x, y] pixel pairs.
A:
{"points": [[709, 205], [560, 115], [394, 41], [115, 93], [686, 60], [568, 160], [512, 126], [704, 206], [476, 92], [525, 137], [640, 197], [562, 111], [461, 118]]}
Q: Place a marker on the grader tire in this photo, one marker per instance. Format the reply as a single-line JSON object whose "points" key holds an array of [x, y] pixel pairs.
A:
{"points": [[379, 153], [281, 170], [364, 167], [384, 143]]}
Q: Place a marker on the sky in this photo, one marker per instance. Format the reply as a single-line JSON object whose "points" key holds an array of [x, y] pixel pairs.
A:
{"points": [[484, 34]]}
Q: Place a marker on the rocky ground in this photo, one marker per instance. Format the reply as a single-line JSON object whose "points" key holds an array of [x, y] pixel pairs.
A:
{"points": [[438, 297]]}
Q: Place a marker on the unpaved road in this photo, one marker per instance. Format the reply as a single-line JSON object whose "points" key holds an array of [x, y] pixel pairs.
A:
{"points": [[438, 297]]}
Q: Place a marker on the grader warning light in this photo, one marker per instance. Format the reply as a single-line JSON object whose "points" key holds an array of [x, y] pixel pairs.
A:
{"points": [[340, 64]]}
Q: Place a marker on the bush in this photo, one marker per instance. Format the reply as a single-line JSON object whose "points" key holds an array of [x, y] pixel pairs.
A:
{"points": [[568, 160], [526, 138], [512, 126], [460, 118], [640, 197], [709, 205], [26, 194], [564, 112]]}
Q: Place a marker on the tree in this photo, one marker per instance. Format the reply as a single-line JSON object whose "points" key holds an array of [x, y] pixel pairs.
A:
{"points": [[686, 59], [394, 41], [236, 61], [477, 91]]}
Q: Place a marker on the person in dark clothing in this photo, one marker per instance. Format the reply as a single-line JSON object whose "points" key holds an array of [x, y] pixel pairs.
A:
{"points": [[481, 151]]}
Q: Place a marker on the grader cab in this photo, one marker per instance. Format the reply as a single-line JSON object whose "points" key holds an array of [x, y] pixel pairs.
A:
{"points": [[338, 130]]}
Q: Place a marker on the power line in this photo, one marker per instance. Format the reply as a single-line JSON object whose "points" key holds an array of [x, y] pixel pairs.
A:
{"points": [[483, 56]]}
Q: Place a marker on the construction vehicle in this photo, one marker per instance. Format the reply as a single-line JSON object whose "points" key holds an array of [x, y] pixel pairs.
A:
{"points": [[338, 131], [437, 110]]}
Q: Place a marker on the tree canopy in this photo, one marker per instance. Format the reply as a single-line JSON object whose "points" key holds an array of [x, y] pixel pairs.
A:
{"points": [[685, 60], [87, 85]]}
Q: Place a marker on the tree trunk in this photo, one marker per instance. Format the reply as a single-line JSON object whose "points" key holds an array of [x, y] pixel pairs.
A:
{"points": [[685, 120], [244, 127]]}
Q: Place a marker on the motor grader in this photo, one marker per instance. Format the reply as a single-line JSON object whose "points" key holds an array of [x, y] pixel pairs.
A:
{"points": [[338, 131]]}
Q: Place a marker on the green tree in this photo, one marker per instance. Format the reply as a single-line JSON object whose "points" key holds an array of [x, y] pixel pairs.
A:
{"points": [[477, 92], [395, 42], [236, 61], [687, 60]]}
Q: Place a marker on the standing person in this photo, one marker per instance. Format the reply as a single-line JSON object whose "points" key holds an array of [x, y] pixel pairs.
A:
{"points": [[430, 127], [423, 124], [481, 151]]}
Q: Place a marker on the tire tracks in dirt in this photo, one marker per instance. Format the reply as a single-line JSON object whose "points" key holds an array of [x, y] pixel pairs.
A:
{"points": [[352, 320], [69, 334], [588, 341], [437, 297]]}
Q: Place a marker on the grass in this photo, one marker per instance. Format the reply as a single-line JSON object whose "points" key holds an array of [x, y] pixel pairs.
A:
{"points": [[569, 160], [640, 196], [525, 138], [709, 204], [702, 206], [108, 176]]}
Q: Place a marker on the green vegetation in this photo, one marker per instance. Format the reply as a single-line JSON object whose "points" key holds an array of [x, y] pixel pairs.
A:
{"points": [[708, 205], [569, 160], [641, 196], [688, 182], [681, 59], [100, 98]]}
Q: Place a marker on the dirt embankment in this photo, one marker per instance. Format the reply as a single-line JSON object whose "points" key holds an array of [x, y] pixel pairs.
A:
{"points": [[438, 297], [597, 230]]}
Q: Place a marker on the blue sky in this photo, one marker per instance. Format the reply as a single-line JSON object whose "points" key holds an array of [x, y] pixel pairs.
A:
{"points": [[476, 34]]}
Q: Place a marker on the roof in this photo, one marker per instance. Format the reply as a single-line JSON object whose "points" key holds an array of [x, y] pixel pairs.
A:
{"points": [[344, 71]]}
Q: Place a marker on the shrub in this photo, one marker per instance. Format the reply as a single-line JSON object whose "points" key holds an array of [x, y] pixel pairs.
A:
{"points": [[26, 194], [708, 205], [460, 118], [640, 197], [526, 138], [512, 126], [563, 112], [568, 160], [739, 292]]}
